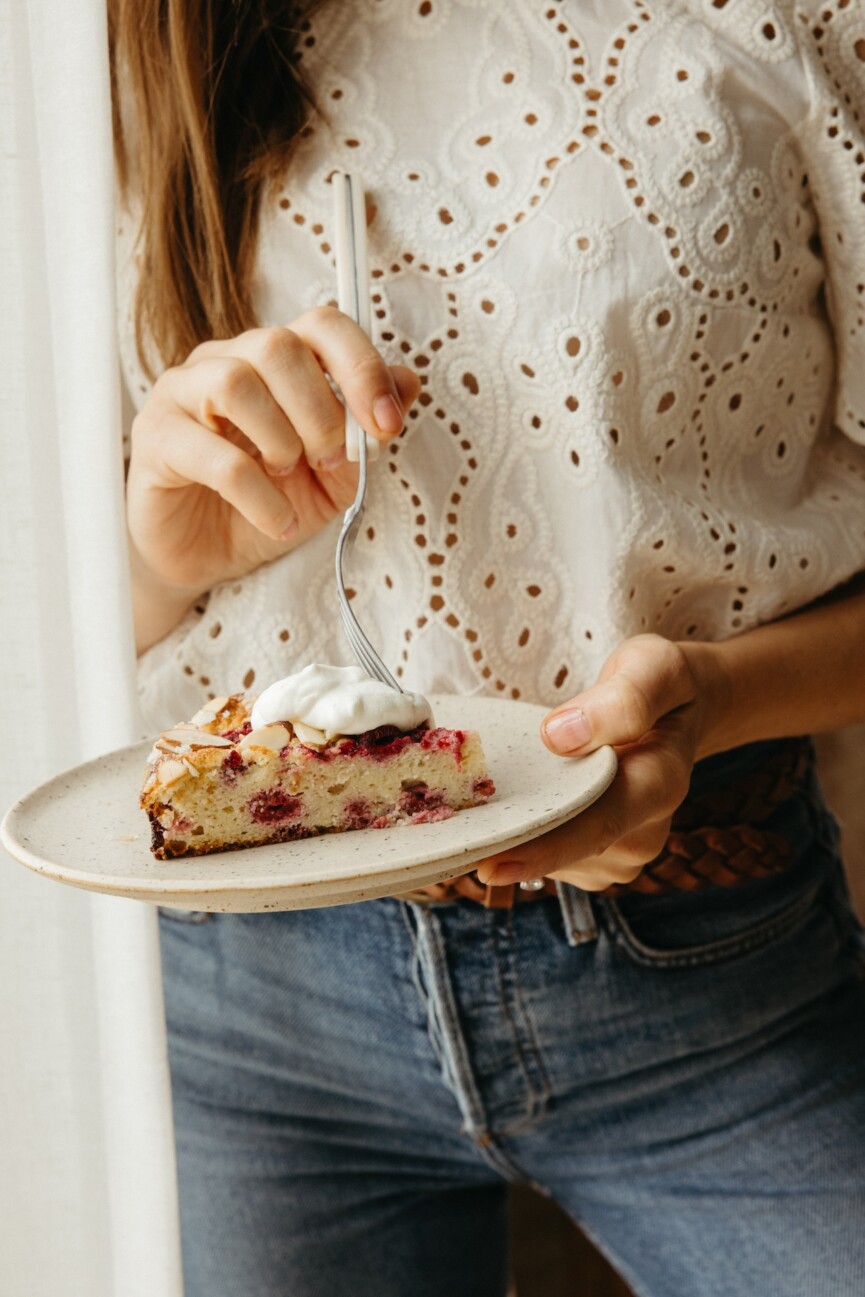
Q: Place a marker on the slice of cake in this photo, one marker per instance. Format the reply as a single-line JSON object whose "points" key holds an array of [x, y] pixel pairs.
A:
{"points": [[237, 776]]}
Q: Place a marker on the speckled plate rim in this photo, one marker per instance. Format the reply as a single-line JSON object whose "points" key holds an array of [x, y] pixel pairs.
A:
{"points": [[536, 792]]}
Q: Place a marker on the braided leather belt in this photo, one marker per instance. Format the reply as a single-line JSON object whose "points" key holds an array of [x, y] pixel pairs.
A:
{"points": [[714, 841]]}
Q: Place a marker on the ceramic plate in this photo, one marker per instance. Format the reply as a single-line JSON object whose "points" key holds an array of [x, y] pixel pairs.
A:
{"points": [[84, 828]]}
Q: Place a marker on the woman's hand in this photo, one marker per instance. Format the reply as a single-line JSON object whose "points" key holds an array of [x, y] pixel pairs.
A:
{"points": [[653, 706], [238, 455]]}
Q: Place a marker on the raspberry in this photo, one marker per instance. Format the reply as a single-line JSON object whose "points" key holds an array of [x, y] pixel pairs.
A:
{"points": [[232, 765], [236, 735], [273, 805], [441, 740], [420, 799], [357, 814]]}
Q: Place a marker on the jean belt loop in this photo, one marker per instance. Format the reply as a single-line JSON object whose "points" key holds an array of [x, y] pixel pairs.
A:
{"points": [[577, 914]]}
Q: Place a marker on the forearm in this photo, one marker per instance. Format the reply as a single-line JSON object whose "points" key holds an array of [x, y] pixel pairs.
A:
{"points": [[156, 610], [801, 675]]}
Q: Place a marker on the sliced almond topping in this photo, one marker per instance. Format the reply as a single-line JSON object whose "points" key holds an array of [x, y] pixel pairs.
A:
{"points": [[170, 770], [209, 711], [273, 737], [193, 738], [309, 736], [215, 705]]}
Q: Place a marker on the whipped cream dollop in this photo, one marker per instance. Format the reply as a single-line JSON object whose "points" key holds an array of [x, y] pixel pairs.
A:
{"points": [[339, 700]]}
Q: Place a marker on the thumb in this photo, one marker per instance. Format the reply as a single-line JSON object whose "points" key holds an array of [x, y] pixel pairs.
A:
{"points": [[651, 677], [407, 384]]}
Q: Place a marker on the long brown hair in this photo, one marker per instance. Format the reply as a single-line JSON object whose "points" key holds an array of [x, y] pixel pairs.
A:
{"points": [[211, 99]]}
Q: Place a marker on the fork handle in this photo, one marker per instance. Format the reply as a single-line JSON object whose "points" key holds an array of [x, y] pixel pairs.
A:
{"points": [[352, 275]]}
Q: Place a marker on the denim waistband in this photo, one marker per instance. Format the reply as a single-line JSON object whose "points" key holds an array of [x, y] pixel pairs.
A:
{"points": [[723, 770]]}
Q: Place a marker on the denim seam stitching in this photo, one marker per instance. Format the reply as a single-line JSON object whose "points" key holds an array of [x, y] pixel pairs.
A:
{"points": [[711, 952], [456, 1058], [433, 1029], [455, 1047], [532, 1064], [524, 1122]]}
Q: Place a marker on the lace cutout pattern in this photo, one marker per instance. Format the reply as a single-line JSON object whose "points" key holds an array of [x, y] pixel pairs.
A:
{"points": [[623, 246]]}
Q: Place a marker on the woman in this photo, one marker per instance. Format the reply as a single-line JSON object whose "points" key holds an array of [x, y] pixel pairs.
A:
{"points": [[616, 256]]}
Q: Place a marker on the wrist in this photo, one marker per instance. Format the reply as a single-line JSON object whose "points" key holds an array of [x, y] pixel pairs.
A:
{"points": [[157, 606], [147, 578], [717, 725], [801, 674]]}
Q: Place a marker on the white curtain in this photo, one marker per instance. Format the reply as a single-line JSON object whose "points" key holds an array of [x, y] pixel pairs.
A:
{"points": [[88, 1204]]}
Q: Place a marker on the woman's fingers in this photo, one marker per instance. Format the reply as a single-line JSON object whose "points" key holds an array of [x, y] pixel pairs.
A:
{"points": [[553, 856], [622, 831], [289, 367], [182, 452], [238, 455], [292, 365], [647, 678], [219, 388], [407, 384], [651, 781], [647, 705], [367, 384]]}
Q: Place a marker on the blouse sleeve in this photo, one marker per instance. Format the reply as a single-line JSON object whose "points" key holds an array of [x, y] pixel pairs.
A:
{"points": [[833, 42]]}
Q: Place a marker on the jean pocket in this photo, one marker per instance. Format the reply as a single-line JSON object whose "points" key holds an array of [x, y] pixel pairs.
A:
{"points": [[185, 916], [662, 940]]}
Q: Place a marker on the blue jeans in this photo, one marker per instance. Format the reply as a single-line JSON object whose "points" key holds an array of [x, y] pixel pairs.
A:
{"points": [[355, 1087]]}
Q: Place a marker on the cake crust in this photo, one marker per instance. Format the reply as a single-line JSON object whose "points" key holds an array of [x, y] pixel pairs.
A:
{"points": [[216, 784]]}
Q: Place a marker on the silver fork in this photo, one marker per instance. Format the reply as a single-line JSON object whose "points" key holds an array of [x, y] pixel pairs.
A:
{"points": [[353, 280]]}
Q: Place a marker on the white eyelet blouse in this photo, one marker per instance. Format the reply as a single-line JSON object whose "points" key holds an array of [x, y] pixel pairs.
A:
{"points": [[624, 246]]}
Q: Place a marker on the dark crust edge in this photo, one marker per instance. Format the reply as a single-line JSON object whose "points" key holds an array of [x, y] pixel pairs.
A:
{"points": [[289, 833]]}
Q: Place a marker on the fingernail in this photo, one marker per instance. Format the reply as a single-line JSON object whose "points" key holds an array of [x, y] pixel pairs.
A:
{"points": [[286, 470], [568, 730], [388, 415], [332, 462], [291, 530], [504, 874]]}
